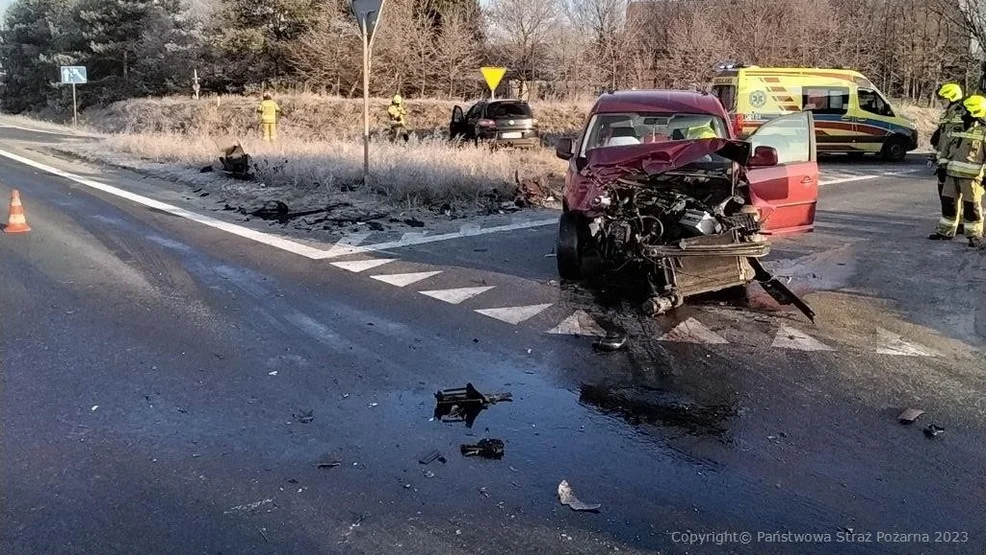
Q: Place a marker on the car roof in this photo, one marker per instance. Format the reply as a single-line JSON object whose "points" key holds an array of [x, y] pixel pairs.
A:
{"points": [[659, 101]]}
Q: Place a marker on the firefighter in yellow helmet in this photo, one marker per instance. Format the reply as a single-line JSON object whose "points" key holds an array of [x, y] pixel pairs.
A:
{"points": [[964, 174], [269, 112], [397, 114], [950, 120]]}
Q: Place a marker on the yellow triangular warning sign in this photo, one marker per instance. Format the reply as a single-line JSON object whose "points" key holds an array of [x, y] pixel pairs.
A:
{"points": [[493, 75]]}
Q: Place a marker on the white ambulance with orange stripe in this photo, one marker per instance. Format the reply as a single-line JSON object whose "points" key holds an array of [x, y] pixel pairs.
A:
{"points": [[851, 115]]}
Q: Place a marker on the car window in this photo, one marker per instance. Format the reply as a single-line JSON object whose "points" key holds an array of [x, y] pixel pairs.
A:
{"points": [[726, 95], [508, 110], [789, 135], [825, 100], [474, 111], [871, 101], [622, 129]]}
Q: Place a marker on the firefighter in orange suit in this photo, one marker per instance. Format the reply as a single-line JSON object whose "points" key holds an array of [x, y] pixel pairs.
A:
{"points": [[269, 112], [964, 174]]}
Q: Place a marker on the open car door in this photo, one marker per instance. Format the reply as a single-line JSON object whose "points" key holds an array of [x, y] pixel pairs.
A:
{"points": [[455, 125], [786, 194]]}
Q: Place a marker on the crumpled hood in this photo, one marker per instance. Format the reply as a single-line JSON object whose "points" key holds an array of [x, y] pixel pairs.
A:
{"points": [[650, 159]]}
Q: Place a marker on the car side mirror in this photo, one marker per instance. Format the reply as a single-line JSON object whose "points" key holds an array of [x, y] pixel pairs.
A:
{"points": [[563, 149], [763, 157]]}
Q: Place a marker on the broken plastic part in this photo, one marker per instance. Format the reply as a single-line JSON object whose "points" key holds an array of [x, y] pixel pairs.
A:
{"points": [[933, 431], [465, 403], [486, 448], [611, 342], [778, 290], [567, 497], [909, 416], [430, 457]]}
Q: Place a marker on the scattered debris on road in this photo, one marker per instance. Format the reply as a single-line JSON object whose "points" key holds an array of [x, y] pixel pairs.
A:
{"points": [[909, 416], [483, 491], [567, 497], [465, 404], [431, 457], [933, 431], [304, 416], [328, 463], [486, 448], [249, 506], [94, 407], [611, 342]]}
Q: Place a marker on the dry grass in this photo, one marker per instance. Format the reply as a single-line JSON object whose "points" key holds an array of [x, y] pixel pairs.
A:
{"points": [[305, 115]]}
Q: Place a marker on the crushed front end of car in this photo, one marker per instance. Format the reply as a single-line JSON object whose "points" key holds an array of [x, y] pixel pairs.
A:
{"points": [[675, 216]]}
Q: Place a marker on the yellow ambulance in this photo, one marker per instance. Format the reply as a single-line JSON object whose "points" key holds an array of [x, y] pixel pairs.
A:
{"points": [[851, 115]]}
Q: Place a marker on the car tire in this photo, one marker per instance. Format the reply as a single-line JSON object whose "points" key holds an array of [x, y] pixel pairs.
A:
{"points": [[568, 253], [895, 149]]}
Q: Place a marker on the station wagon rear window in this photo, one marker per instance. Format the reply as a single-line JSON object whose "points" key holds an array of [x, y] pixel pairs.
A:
{"points": [[508, 110]]}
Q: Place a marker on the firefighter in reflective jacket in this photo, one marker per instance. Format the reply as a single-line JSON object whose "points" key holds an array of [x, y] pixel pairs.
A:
{"points": [[269, 111], [964, 174], [397, 114], [949, 121]]}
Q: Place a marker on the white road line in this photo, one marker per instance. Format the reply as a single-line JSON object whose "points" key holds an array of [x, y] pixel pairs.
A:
{"points": [[456, 296], [692, 331], [411, 239], [239, 231], [790, 338], [579, 323], [66, 133], [889, 343], [362, 265], [351, 240], [403, 280], [514, 314], [837, 180]]}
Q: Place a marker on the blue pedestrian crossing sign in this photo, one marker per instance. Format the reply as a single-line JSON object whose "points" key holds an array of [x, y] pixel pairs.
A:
{"points": [[74, 75]]}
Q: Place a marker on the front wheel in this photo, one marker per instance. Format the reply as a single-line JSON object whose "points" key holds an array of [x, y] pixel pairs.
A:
{"points": [[895, 149], [568, 252]]}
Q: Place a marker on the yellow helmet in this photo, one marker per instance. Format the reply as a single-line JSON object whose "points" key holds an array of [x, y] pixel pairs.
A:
{"points": [[976, 106], [397, 99], [950, 92]]}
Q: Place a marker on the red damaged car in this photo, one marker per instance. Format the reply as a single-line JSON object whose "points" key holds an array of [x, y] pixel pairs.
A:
{"points": [[660, 186]]}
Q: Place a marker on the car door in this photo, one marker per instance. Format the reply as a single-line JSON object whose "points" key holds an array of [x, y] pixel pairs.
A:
{"points": [[455, 125], [472, 120], [786, 194]]}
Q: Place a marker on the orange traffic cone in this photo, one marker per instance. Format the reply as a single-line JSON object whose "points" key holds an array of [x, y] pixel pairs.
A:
{"points": [[17, 222]]}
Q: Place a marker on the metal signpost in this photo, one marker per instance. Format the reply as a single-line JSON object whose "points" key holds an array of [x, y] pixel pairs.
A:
{"points": [[74, 75], [493, 75], [367, 14]]}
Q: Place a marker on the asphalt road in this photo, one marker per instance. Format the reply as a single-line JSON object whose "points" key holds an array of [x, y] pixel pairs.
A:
{"points": [[157, 370]]}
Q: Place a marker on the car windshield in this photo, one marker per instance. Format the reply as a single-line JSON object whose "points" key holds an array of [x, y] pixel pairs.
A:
{"points": [[508, 110], [632, 128]]}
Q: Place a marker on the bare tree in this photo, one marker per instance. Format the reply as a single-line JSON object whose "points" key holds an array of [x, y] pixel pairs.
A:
{"points": [[456, 51], [521, 29]]}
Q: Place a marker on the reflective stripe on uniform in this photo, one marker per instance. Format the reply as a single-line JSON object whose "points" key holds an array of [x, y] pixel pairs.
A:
{"points": [[966, 135], [965, 169], [973, 229]]}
